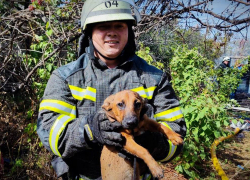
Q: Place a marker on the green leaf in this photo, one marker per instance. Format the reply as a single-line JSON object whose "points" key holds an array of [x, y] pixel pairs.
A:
{"points": [[40, 144], [49, 32], [217, 134], [234, 121], [39, 38], [19, 163], [204, 128], [214, 110], [49, 67], [179, 168], [58, 12], [201, 114], [218, 124], [47, 25], [195, 133], [203, 155], [186, 166], [29, 113]]}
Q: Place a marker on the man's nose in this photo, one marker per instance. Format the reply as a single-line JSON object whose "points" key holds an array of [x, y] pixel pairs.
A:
{"points": [[112, 32]]}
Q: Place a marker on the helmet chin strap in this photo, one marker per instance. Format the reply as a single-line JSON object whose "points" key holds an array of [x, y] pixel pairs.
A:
{"points": [[110, 59]]}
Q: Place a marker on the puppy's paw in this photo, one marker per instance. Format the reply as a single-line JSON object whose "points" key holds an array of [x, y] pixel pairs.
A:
{"points": [[176, 139], [157, 171]]}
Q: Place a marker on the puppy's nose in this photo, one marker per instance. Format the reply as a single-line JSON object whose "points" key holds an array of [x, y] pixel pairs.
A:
{"points": [[130, 122]]}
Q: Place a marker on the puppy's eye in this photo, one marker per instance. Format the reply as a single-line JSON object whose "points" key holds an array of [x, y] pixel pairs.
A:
{"points": [[137, 105], [121, 105]]}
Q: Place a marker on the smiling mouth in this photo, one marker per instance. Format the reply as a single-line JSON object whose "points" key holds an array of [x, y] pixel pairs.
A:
{"points": [[111, 42]]}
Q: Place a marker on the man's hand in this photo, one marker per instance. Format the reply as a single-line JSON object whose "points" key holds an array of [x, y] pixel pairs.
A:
{"points": [[103, 131]]}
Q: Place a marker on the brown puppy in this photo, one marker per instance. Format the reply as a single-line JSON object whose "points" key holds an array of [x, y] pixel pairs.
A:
{"points": [[127, 107]]}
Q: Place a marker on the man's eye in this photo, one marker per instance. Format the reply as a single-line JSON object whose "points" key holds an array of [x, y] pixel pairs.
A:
{"points": [[119, 26], [102, 27]]}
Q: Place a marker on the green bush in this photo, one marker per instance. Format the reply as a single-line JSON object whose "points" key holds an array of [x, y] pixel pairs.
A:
{"points": [[204, 93]]}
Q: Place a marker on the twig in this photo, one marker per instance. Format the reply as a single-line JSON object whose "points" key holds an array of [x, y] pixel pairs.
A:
{"points": [[239, 170]]}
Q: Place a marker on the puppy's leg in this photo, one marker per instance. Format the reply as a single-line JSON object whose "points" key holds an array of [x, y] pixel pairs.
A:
{"points": [[133, 148], [151, 125]]}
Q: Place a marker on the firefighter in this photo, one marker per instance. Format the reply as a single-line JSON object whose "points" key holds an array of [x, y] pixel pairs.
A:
{"points": [[71, 124], [225, 63]]}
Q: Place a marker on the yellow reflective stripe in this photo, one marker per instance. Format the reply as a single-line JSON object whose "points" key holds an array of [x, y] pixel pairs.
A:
{"points": [[91, 89], [58, 106], [147, 176], [169, 115], [145, 93], [57, 128], [165, 124], [76, 88], [89, 97], [172, 150], [80, 93], [89, 131], [77, 97]]}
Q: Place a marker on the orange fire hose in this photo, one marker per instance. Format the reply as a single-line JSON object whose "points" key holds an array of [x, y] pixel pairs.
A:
{"points": [[213, 154]]}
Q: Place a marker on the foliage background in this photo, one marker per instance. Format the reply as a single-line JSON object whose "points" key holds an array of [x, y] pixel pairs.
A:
{"points": [[44, 35]]}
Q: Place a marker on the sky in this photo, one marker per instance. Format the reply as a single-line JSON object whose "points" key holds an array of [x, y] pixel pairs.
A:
{"points": [[219, 6], [240, 42], [239, 45]]}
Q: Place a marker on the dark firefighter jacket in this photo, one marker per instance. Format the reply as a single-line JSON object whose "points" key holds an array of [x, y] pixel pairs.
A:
{"points": [[223, 65], [78, 89]]}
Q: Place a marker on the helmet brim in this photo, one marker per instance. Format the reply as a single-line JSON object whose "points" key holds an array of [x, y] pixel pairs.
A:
{"points": [[107, 18]]}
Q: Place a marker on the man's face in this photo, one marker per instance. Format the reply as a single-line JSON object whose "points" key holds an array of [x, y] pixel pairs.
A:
{"points": [[110, 38], [226, 62]]}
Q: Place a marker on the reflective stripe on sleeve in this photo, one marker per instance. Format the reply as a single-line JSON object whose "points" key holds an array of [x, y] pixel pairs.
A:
{"points": [[56, 130], [145, 93], [169, 115], [172, 149], [145, 177], [80, 93], [59, 107], [165, 124]]}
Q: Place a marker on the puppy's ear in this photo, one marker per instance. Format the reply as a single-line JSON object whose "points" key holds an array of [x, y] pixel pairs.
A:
{"points": [[107, 106], [144, 107]]}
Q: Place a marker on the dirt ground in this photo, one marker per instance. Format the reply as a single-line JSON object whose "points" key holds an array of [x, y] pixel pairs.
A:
{"points": [[235, 157], [170, 173]]}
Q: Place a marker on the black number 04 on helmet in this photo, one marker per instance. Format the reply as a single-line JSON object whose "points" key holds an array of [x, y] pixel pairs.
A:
{"points": [[95, 11]]}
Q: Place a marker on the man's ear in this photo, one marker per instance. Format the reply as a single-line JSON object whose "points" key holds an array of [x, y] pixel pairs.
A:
{"points": [[144, 107], [107, 106]]}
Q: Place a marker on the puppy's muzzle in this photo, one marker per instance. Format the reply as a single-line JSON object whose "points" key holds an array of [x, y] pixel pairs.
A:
{"points": [[130, 122]]}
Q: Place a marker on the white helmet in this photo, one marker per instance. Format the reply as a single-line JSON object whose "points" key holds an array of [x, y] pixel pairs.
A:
{"points": [[94, 11], [227, 59]]}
